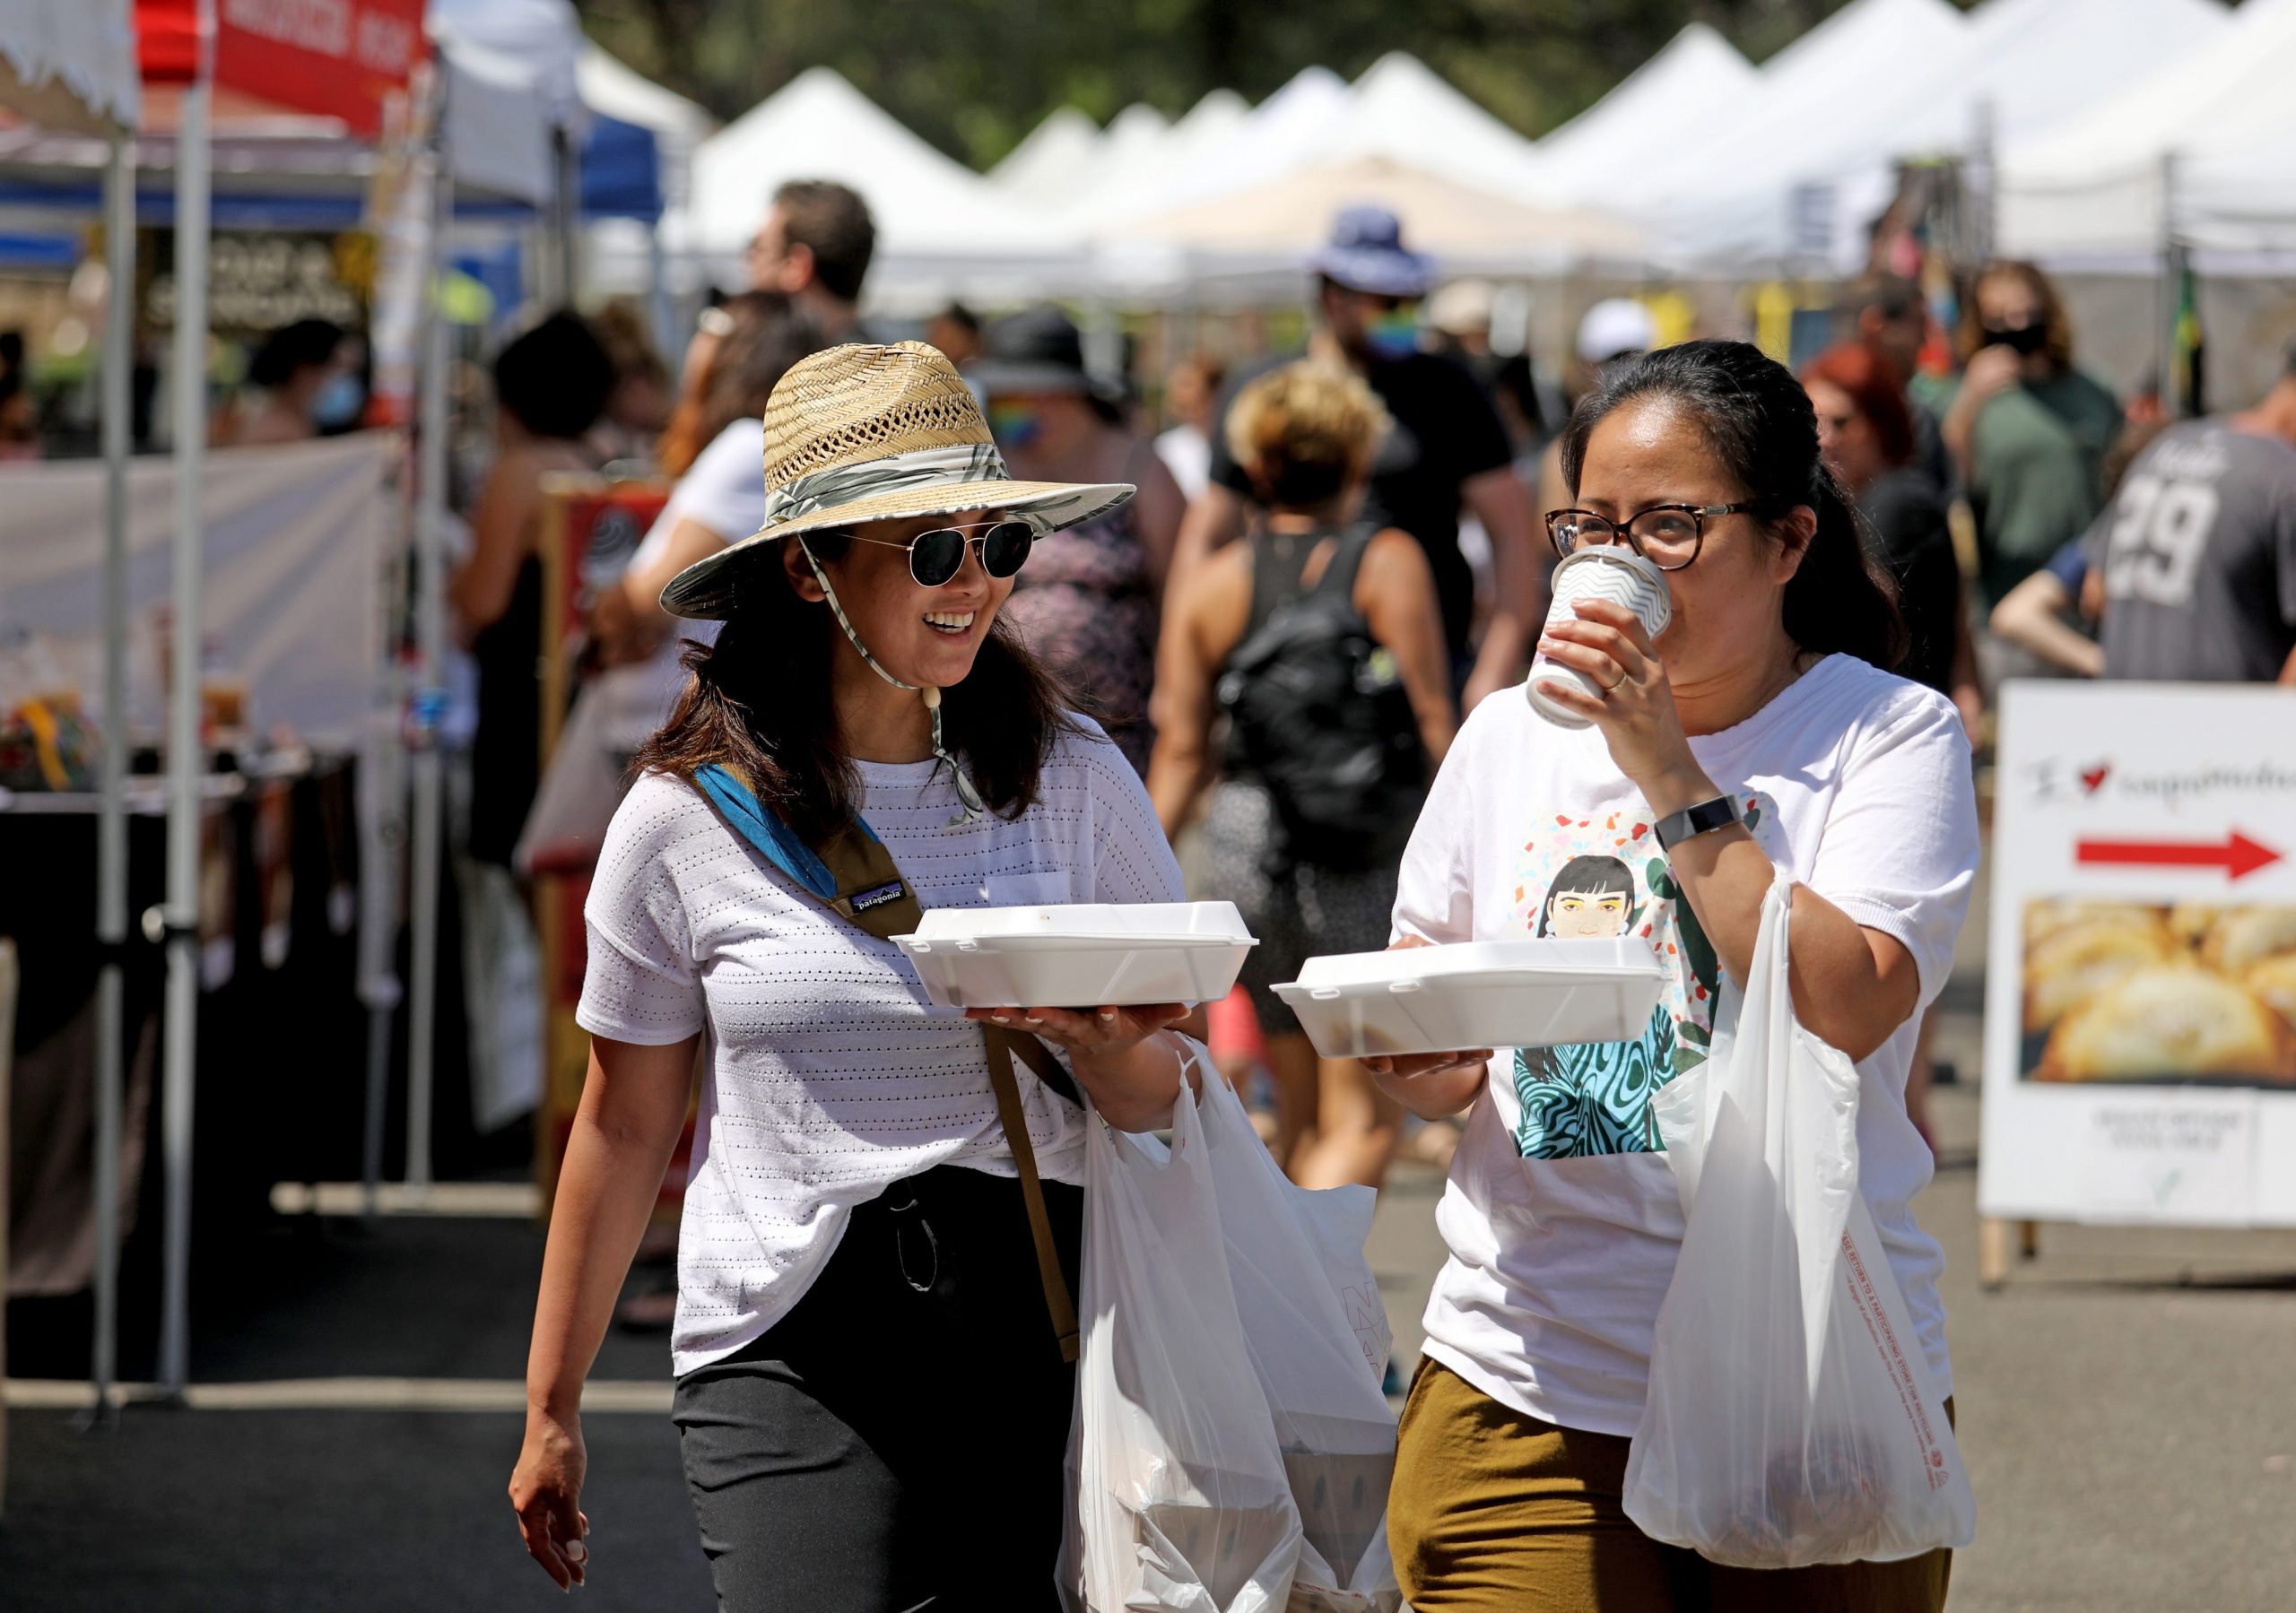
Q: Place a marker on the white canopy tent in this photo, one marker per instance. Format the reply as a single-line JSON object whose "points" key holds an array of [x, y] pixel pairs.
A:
{"points": [[1608, 150], [1053, 164], [1239, 241], [2032, 63], [2023, 65], [631, 254], [515, 114], [1729, 196], [1257, 203], [1133, 136], [942, 230], [2198, 150], [1144, 170], [1401, 110], [75, 67], [1289, 130]]}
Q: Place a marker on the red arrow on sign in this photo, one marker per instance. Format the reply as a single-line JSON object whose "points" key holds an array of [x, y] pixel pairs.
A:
{"points": [[2235, 854]]}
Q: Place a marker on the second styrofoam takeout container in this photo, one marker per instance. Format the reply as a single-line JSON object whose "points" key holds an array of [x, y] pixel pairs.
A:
{"points": [[1484, 993], [1084, 955]]}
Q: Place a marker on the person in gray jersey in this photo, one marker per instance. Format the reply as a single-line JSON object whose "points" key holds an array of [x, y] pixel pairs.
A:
{"points": [[2198, 550]]}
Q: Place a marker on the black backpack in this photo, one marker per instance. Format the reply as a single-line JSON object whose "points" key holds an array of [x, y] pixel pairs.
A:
{"points": [[1317, 710]]}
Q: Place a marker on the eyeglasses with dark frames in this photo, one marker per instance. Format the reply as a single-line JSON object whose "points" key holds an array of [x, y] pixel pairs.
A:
{"points": [[935, 556], [1668, 535]]}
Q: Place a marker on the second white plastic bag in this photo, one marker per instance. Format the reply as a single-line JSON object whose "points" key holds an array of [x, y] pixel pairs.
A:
{"points": [[1177, 1496], [1232, 1450], [1791, 1416], [1315, 1332]]}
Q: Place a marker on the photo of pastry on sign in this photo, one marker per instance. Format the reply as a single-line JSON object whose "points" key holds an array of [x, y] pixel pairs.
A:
{"points": [[2160, 994]]}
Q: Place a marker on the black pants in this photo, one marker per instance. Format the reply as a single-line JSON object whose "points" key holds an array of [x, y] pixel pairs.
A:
{"points": [[896, 1442]]}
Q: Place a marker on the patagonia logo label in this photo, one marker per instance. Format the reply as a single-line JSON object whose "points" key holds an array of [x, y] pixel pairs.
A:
{"points": [[878, 897]]}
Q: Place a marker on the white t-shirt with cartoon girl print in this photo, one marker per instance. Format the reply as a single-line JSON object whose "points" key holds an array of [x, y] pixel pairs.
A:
{"points": [[1561, 1214]]}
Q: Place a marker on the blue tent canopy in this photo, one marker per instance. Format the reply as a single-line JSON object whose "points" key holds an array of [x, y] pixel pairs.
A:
{"points": [[621, 178]]}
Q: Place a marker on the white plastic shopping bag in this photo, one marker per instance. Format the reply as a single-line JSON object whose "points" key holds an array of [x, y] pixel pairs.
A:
{"points": [[1791, 1416], [1316, 1335], [1179, 1497]]}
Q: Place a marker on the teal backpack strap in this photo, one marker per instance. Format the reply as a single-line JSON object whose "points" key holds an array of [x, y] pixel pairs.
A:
{"points": [[775, 840]]}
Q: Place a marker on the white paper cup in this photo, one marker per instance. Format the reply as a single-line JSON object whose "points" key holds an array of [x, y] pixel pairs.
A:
{"points": [[1613, 572]]}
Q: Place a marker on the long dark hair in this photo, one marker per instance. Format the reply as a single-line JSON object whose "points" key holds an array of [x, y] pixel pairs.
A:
{"points": [[1757, 419], [757, 702]]}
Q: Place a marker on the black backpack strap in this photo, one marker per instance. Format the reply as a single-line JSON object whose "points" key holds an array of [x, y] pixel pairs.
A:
{"points": [[1346, 560], [1277, 566]]}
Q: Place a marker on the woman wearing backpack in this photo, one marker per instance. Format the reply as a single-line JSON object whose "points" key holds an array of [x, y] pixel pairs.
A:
{"points": [[878, 1255], [1323, 639]]}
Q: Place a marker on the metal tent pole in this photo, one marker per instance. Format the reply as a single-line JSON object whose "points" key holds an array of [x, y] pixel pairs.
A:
{"points": [[658, 292], [2166, 312], [428, 829], [111, 821], [187, 761]]}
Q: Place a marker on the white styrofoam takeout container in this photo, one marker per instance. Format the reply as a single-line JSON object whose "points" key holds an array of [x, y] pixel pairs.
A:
{"points": [[1484, 993], [1084, 955]]}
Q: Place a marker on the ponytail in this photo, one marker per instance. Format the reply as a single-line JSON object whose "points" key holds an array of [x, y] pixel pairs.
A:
{"points": [[1842, 599], [1758, 420]]}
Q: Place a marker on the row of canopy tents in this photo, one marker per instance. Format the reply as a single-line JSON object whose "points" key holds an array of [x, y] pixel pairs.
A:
{"points": [[2062, 112]]}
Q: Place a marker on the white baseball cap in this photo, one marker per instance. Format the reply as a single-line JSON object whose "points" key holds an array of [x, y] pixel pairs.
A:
{"points": [[1615, 326]]}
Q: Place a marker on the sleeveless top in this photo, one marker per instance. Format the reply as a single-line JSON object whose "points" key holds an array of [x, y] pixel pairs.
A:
{"points": [[1279, 560]]}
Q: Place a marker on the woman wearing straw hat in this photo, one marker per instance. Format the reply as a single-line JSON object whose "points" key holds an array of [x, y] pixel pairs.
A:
{"points": [[881, 1225]]}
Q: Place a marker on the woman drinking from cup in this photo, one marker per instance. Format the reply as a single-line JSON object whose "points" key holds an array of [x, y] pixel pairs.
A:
{"points": [[880, 1228], [1755, 730]]}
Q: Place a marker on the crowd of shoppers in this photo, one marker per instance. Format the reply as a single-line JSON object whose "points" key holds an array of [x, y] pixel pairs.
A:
{"points": [[926, 615]]}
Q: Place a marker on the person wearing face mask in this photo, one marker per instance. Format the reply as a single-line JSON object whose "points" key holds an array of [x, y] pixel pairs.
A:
{"points": [[1092, 601], [875, 1334], [1446, 449], [2028, 430], [304, 388]]}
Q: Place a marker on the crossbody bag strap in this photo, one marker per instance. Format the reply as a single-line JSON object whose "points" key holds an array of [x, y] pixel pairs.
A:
{"points": [[1057, 1300], [852, 874]]}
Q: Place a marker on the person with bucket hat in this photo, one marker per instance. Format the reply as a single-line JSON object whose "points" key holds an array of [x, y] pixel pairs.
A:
{"points": [[875, 1331], [1445, 452], [1090, 604]]}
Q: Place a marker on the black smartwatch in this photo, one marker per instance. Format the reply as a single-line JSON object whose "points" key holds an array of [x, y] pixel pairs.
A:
{"points": [[1701, 818]]}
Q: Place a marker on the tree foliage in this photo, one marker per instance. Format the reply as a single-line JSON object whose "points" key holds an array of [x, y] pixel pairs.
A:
{"points": [[974, 76]]}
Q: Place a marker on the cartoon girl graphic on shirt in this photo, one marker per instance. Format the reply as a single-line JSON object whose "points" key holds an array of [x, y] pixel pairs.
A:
{"points": [[1596, 877], [1593, 1097]]}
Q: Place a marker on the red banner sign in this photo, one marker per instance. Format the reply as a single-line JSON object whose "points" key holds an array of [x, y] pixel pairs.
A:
{"points": [[337, 58]]}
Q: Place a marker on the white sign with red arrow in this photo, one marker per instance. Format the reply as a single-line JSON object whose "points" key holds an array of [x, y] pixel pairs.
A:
{"points": [[2140, 1036]]}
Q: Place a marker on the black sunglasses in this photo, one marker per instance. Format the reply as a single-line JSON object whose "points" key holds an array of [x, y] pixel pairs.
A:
{"points": [[937, 556]]}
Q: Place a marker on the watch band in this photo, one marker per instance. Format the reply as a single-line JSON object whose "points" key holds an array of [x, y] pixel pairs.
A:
{"points": [[1699, 818]]}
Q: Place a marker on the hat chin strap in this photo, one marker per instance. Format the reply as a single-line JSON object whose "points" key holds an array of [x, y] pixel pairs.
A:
{"points": [[971, 797]]}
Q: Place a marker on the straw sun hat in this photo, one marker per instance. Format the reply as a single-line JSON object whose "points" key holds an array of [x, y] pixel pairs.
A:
{"points": [[864, 433]]}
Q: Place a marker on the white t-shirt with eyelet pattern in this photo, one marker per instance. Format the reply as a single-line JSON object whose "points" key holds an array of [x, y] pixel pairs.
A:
{"points": [[829, 1075]]}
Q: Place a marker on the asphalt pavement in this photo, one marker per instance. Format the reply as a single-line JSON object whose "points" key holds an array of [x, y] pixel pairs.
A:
{"points": [[2125, 1408]]}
